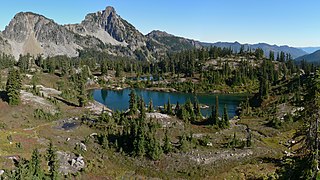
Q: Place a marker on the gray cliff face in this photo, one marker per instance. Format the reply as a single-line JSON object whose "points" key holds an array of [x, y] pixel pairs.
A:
{"points": [[5, 47], [110, 28], [35, 34]]}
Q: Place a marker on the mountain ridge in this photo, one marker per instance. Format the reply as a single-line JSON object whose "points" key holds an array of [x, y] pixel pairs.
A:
{"points": [[313, 57], [295, 52], [104, 30]]}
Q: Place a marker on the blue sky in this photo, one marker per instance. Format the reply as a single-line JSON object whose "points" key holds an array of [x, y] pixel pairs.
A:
{"points": [[281, 22]]}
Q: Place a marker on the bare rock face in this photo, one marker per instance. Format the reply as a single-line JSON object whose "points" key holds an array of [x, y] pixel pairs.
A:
{"points": [[5, 47], [110, 28], [35, 34]]}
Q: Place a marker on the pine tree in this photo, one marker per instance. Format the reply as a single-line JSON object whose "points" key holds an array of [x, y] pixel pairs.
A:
{"points": [[82, 98], [133, 103], [167, 147], [155, 149], [51, 157], [271, 55], [225, 117], [150, 107], [216, 112], [169, 107], [177, 109], [184, 144], [197, 109], [13, 87], [104, 68], [142, 109], [35, 165]]}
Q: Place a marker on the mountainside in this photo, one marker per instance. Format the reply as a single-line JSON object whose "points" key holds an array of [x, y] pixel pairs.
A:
{"points": [[295, 52], [310, 50], [313, 57], [172, 42], [35, 34]]}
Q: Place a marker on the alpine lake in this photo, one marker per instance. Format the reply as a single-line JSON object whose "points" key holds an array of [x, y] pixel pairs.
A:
{"points": [[119, 99]]}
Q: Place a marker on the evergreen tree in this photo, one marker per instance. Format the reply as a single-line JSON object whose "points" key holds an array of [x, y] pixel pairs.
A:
{"points": [[167, 147], [184, 144], [271, 55], [150, 107], [13, 87], [142, 109], [197, 109], [155, 149], [104, 68], [82, 98], [216, 112], [225, 117], [132, 103], [51, 157], [35, 165], [177, 109], [169, 108]]}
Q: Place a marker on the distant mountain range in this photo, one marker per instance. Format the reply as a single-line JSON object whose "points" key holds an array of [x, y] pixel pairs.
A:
{"points": [[105, 31], [310, 50], [295, 52]]}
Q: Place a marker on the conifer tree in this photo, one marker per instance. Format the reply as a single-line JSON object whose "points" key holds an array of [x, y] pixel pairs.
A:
{"points": [[169, 107], [216, 112], [35, 165], [225, 117], [142, 109], [167, 147], [150, 107], [132, 103], [52, 160], [177, 109], [13, 87], [184, 144]]}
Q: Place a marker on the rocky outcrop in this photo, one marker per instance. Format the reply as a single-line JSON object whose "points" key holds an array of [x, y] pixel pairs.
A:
{"points": [[69, 163]]}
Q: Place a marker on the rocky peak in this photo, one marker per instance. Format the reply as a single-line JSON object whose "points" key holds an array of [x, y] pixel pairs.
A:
{"points": [[110, 10], [110, 28], [23, 24], [35, 34]]}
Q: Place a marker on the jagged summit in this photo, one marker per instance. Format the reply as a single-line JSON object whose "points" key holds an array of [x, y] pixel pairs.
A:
{"points": [[110, 28]]}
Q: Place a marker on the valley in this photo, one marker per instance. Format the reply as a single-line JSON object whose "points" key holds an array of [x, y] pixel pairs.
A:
{"points": [[100, 100]]}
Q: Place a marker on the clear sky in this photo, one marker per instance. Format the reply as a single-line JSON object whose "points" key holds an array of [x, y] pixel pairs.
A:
{"points": [[281, 22]]}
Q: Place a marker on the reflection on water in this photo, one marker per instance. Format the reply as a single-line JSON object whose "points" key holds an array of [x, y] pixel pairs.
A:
{"points": [[119, 100]]}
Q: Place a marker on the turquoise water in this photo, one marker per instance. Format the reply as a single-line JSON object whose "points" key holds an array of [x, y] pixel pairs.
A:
{"points": [[119, 100]]}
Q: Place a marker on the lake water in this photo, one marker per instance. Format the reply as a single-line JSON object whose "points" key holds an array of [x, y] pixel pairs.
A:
{"points": [[119, 100]]}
